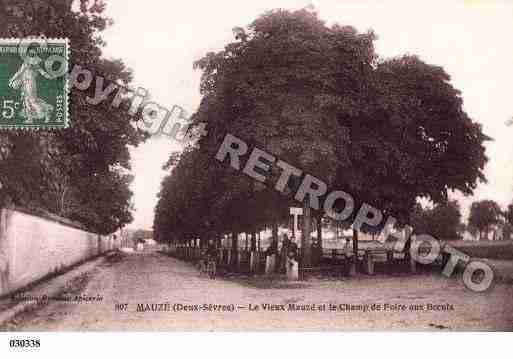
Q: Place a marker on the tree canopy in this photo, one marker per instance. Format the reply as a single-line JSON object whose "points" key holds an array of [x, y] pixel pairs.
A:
{"points": [[509, 214], [81, 172], [443, 221], [387, 131], [484, 214]]}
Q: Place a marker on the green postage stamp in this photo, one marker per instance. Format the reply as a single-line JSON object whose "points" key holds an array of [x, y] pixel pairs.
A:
{"points": [[34, 83]]}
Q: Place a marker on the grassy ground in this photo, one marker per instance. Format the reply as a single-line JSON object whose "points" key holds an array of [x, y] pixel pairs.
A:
{"points": [[501, 250]]}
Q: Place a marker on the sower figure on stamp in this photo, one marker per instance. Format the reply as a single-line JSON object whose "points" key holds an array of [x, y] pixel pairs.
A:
{"points": [[26, 80]]}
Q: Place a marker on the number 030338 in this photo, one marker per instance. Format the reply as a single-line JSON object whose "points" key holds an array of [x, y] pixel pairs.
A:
{"points": [[24, 343]]}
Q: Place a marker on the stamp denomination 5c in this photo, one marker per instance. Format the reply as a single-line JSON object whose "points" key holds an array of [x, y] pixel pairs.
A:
{"points": [[33, 83]]}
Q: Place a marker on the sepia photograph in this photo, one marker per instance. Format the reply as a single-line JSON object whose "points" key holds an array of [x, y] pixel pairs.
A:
{"points": [[271, 166]]}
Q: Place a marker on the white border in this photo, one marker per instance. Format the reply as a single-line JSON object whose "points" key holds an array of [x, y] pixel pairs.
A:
{"points": [[261, 345]]}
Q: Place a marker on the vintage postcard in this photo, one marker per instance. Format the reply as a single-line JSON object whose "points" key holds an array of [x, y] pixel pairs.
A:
{"points": [[273, 166]]}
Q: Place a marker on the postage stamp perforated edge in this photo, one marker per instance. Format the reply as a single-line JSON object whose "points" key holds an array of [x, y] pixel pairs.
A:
{"points": [[67, 52]]}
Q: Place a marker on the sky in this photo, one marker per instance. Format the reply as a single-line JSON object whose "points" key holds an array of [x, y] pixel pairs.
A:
{"points": [[160, 39]]}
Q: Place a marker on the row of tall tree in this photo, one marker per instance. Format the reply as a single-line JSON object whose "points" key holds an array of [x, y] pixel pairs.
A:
{"points": [[319, 97], [487, 213], [444, 221], [81, 172]]}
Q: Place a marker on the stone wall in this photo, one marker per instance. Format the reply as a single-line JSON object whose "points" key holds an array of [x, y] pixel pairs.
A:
{"points": [[32, 247]]}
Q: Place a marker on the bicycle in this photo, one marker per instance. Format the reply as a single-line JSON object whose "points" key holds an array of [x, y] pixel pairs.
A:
{"points": [[211, 269], [208, 267]]}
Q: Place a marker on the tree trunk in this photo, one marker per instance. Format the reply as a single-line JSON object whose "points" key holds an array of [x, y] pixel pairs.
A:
{"points": [[218, 240], [235, 240], [319, 231], [62, 202], [305, 237], [235, 247], [355, 250], [291, 221], [275, 231], [253, 241]]}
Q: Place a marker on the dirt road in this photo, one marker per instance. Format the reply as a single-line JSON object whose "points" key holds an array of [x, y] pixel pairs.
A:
{"points": [[153, 286]]}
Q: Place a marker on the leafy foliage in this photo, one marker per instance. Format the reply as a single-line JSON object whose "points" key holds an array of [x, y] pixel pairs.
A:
{"points": [[509, 214], [484, 214], [80, 172], [387, 131], [443, 221]]}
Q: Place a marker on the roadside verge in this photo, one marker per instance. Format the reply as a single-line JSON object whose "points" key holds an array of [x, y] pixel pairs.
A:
{"points": [[22, 301]]}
